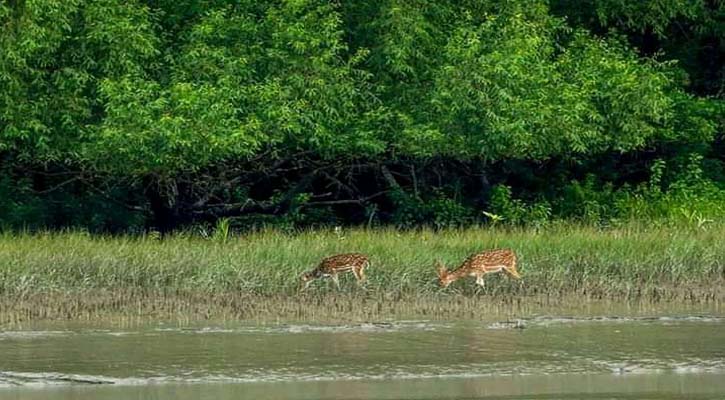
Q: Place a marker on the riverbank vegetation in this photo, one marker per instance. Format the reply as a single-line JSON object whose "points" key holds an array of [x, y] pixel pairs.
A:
{"points": [[161, 152], [246, 274]]}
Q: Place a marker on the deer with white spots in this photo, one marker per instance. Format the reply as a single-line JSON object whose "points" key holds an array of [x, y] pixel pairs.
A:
{"points": [[331, 266], [478, 265]]}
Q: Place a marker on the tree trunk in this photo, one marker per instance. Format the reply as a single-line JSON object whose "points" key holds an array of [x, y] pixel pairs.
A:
{"points": [[163, 203], [485, 191]]}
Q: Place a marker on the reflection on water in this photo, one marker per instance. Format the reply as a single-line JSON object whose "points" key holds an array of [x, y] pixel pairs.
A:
{"points": [[544, 357]]}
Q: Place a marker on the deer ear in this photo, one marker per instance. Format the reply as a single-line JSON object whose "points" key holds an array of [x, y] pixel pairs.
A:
{"points": [[440, 268]]}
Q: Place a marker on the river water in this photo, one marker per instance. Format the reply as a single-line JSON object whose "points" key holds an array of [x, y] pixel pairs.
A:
{"points": [[541, 357]]}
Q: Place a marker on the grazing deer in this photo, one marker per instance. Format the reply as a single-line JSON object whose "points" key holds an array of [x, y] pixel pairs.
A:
{"points": [[331, 266], [480, 264]]}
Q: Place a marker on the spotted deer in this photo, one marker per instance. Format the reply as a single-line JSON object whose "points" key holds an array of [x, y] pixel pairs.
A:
{"points": [[479, 264], [331, 266]]}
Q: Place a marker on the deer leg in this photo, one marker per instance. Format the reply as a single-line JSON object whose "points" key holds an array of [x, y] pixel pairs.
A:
{"points": [[359, 274], [336, 280], [479, 284]]}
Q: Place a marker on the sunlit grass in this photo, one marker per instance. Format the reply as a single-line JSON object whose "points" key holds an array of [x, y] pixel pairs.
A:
{"points": [[632, 262]]}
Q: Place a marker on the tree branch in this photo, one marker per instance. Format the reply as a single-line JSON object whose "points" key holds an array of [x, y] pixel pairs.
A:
{"points": [[111, 199], [360, 201], [60, 185]]}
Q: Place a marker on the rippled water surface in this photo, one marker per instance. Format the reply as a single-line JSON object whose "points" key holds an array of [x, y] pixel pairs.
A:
{"points": [[535, 358]]}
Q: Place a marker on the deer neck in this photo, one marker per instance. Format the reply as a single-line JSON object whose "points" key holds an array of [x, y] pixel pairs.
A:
{"points": [[459, 272], [451, 276]]}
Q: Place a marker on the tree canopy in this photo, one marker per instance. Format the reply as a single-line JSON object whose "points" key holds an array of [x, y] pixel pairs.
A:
{"points": [[188, 111]]}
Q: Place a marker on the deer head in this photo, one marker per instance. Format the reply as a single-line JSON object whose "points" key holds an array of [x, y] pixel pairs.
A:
{"points": [[443, 276], [307, 278]]}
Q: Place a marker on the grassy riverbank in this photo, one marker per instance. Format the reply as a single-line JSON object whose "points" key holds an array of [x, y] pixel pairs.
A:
{"points": [[74, 274]]}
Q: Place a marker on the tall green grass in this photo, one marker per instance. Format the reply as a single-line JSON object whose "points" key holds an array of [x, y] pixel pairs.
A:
{"points": [[633, 262]]}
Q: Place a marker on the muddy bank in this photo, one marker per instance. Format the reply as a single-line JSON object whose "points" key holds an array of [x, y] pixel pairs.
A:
{"points": [[326, 306]]}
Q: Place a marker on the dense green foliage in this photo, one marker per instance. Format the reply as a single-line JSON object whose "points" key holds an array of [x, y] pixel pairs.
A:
{"points": [[126, 115]]}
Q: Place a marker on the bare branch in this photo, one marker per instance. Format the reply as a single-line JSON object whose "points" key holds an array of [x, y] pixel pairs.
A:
{"points": [[389, 178], [359, 201], [60, 185], [111, 199]]}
